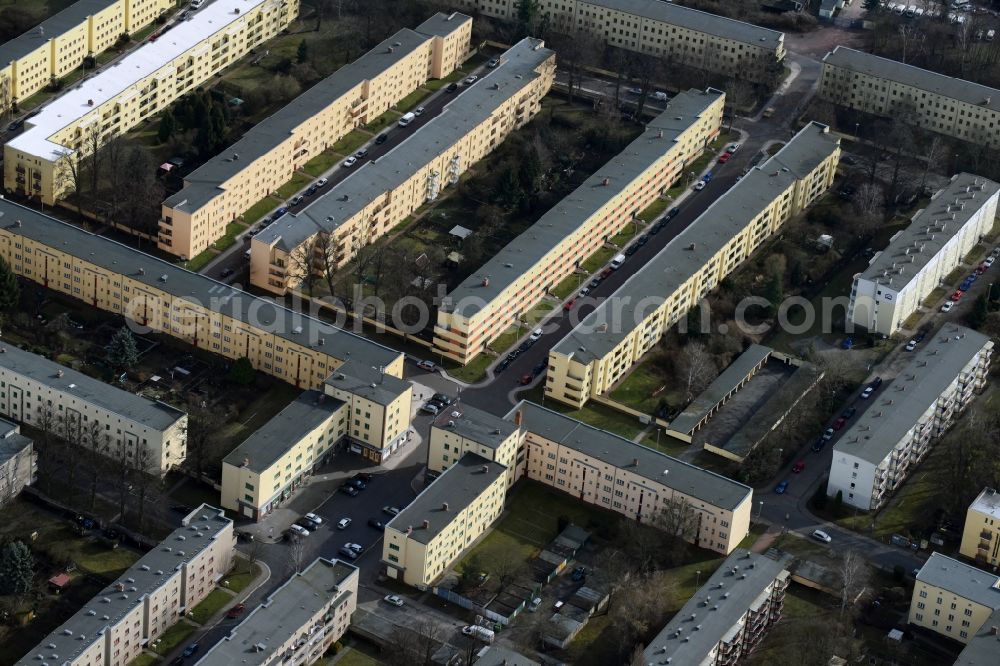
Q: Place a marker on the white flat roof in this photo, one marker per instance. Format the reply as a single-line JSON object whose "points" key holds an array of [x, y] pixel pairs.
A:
{"points": [[115, 79]]}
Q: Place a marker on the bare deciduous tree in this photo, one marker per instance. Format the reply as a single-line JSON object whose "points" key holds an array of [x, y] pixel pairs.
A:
{"points": [[697, 368], [506, 567], [854, 574]]}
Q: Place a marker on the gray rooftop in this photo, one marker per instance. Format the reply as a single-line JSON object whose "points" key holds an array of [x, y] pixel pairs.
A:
{"points": [[266, 445], [12, 442], [987, 503], [494, 655], [622, 453], [282, 615], [374, 179], [933, 366], [199, 529], [930, 230], [720, 388], [457, 487], [50, 28], [675, 264], [742, 588], [262, 313], [144, 411], [982, 648], [961, 579], [368, 382], [692, 19], [922, 79], [563, 219], [475, 424], [205, 182]]}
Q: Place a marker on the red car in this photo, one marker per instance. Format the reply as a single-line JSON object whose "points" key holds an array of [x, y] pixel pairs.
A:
{"points": [[957, 296], [839, 423], [236, 611], [526, 379], [799, 466], [569, 304], [606, 272], [724, 157]]}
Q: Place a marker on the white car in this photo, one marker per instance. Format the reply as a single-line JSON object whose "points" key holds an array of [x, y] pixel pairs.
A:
{"points": [[350, 161], [867, 393], [732, 148], [298, 529], [537, 333], [314, 518], [419, 111], [948, 305], [989, 261], [356, 547], [321, 182], [343, 523], [911, 345], [820, 535], [660, 96], [699, 186], [427, 365], [393, 600], [470, 80]]}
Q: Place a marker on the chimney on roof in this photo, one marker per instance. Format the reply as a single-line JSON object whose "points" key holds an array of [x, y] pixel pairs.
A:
{"points": [[444, 506], [635, 462], [518, 418], [606, 182], [484, 469], [427, 524]]}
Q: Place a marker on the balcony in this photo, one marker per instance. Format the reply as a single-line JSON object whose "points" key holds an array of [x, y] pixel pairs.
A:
{"points": [[986, 536]]}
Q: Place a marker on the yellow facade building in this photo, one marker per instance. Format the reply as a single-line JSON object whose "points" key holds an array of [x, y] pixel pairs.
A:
{"points": [[462, 429], [981, 534], [444, 520], [609, 341], [380, 194], [953, 599], [513, 281], [678, 35], [151, 596], [221, 190], [59, 44], [40, 161], [197, 310]]}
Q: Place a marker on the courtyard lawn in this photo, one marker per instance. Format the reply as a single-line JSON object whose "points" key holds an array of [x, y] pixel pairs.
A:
{"points": [[654, 210], [241, 576], [383, 121], [597, 261], [144, 659], [199, 262], [504, 341], [473, 371], [437, 84], [297, 182], [353, 657], [638, 388], [593, 413], [350, 142], [233, 229], [207, 608], [320, 164], [173, 637], [260, 209], [412, 100], [668, 445], [569, 285]]}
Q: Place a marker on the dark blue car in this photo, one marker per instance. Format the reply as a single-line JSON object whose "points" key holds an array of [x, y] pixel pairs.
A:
{"points": [[781, 488]]}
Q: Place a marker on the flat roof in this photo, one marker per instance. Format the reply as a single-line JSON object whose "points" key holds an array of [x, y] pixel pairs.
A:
{"points": [[368, 382], [375, 178], [205, 182], [475, 424], [930, 230], [564, 219], [987, 503], [494, 655], [923, 79], [262, 313], [89, 95], [457, 487], [933, 366], [266, 445], [622, 453], [153, 570], [144, 411], [721, 386], [52, 27], [12, 442], [603, 329], [735, 587], [981, 650], [283, 615], [692, 19], [961, 579]]}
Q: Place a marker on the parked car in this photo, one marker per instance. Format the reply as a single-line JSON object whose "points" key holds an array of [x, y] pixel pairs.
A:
{"points": [[298, 530], [357, 483], [451, 88], [539, 368], [381, 138], [820, 535], [818, 445], [608, 270], [427, 365], [672, 213], [419, 111], [365, 476], [190, 650], [296, 200], [699, 186], [236, 611], [393, 600], [308, 525], [849, 412], [578, 574], [537, 333], [568, 305], [361, 153], [911, 345], [350, 161], [525, 379], [391, 510], [493, 63], [708, 177], [957, 296], [348, 553], [469, 80], [502, 365], [313, 518], [442, 398], [643, 239], [839, 423], [323, 181], [312, 190], [847, 343], [658, 227], [828, 434], [948, 305], [631, 249], [732, 148], [377, 524], [799, 466], [430, 408], [350, 491], [343, 523], [724, 157], [356, 547], [781, 488]]}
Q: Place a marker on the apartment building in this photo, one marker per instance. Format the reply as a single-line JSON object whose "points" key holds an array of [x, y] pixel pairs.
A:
{"points": [[297, 623], [195, 309], [614, 473], [879, 450], [17, 461], [953, 599], [267, 156], [39, 162], [59, 44], [981, 535], [728, 616], [920, 257], [461, 429], [266, 468], [981, 650], [380, 194], [114, 627], [513, 281], [679, 35], [883, 87], [47, 395], [611, 339], [444, 520]]}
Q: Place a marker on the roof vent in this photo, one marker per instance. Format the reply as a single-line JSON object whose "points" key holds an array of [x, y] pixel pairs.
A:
{"points": [[444, 506], [163, 278]]}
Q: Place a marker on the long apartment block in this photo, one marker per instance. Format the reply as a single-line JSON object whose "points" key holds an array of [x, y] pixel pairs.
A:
{"points": [[17, 461], [297, 623], [883, 87], [38, 163], [488, 302], [59, 44], [195, 309], [381, 193], [46, 395], [879, 450], [680, 35], [610, 340], [267, 156], [981, 533], [462, 429], [956, 600], [920, 257], [151, 596], [728, 616]]}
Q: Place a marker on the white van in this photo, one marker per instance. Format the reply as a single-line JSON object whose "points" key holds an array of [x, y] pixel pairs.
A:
{"points": [[991, 35], [482, 633], [407, 119], [617, 262]]}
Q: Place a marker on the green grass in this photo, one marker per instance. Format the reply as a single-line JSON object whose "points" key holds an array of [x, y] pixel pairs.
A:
{"points": [[638, 388], [320, 164], [195, 264], [352, 657], [144, 659], [412, 100], [350, 142], [383, 121], [625, 235], [597, 260], [593, 413], [471, 372], [260, 209], [297, 182], [504, 341], [233, 229], [976, 255], [956, 276], [215, 601], [654, 210], [570, 284], [173, 637], [668, 445], [437, 84], [241, 576]]}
